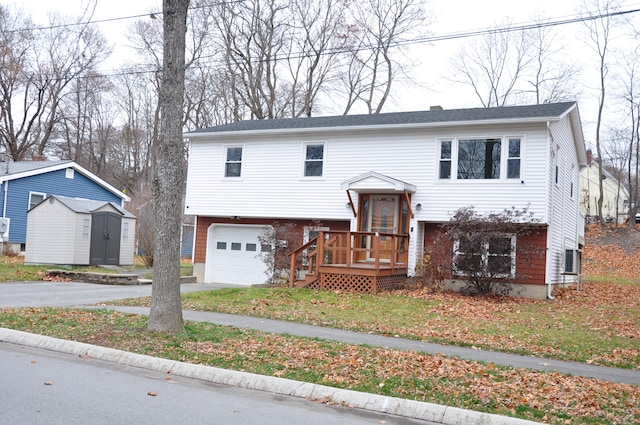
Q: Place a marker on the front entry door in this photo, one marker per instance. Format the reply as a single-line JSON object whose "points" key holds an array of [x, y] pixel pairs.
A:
{"points": [[383, 218]]}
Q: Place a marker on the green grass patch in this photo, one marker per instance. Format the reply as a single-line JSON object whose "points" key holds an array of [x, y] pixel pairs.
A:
{"points": [[12, 269], [363, 312], [565, 331], [612, 279]]}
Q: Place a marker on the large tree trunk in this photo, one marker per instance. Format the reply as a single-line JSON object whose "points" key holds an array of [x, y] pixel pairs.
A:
{"points": [[168, 183]]}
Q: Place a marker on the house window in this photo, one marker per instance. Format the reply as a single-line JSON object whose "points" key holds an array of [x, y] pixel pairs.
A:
{"points": [[35, 198], [493, 256], [233, 163], [513, 162], [479, 159], [85, 229], [445, 159], [125, 232], [69, 173], [313, 160]]}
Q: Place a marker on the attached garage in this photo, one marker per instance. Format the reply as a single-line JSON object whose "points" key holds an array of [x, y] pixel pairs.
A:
{"points": [[233, 254]]}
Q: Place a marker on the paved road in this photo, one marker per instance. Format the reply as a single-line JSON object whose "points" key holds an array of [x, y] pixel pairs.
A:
{"points": [[44, 387]]}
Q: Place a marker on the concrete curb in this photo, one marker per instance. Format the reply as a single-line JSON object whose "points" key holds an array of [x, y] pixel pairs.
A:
{"points": [[371, 402]]}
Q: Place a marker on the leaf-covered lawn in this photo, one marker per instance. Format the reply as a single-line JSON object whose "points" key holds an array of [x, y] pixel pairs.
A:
{"points": [[599, 325], [539, 396]]}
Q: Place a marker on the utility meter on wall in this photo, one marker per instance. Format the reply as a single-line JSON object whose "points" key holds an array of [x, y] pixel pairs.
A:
{"points": [[4, 228]]}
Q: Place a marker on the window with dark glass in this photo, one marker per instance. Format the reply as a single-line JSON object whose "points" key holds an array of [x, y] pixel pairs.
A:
{"points": [[233, 164], [445, 159], [494, 256], [513, 162], [479, 159], [314, 158]]}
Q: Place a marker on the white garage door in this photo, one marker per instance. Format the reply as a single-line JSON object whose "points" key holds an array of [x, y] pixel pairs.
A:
{"points": [[233, 255]]}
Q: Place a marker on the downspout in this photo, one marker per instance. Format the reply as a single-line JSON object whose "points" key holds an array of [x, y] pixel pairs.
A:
{"points": [[4, 201], [549, 147]]}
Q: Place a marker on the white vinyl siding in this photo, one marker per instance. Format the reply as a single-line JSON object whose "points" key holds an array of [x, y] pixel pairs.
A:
{"points": [[562, 208], [272, 186]]}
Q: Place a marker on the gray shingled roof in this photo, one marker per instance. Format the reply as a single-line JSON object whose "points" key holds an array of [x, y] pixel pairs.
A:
{"points": [[25, 166], [87, 206], [551, 110]]}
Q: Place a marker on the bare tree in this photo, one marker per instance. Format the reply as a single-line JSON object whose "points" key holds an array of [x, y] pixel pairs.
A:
{"points": [[168, 183], [253, 37], [600, 32], [630, 135], [551, 78], [318, 39], [375, 38], [37, 70], [493, 65]]}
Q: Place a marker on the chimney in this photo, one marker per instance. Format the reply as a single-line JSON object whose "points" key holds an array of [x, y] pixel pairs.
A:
{"points": [[589, 157], [435, 108]]}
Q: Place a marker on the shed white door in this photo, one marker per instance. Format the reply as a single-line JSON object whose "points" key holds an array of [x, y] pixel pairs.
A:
{"points": [[233, 255]]}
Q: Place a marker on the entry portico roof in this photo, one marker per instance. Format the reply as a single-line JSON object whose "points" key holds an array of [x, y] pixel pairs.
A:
{"points": [[376, 182]]}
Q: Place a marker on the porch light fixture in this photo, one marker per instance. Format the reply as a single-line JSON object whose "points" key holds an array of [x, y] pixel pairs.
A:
{"points": [[348, 205], [419, 207]]}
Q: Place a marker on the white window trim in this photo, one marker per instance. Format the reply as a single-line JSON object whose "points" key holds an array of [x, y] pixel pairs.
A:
{"points": [[69, 173], [44, 196], [304, 159], [505, 163], [454, 145], [485, 256], [504, 158], [224, 161]]}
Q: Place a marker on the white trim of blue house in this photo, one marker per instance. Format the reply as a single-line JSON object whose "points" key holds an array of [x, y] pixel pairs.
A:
{"points": [[7, 175]]}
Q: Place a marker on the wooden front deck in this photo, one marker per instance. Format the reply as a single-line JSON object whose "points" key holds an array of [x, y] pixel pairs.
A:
{"points": [[351, 261]]}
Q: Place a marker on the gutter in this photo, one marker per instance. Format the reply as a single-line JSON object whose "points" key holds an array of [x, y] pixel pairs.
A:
{"points": [[4, 201]]}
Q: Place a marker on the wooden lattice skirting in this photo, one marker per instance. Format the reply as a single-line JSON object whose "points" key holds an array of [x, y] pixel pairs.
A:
{"points": [[360, 283]]}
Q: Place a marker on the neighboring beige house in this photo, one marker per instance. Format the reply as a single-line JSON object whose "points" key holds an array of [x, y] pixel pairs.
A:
{"points": [[615, 202]]}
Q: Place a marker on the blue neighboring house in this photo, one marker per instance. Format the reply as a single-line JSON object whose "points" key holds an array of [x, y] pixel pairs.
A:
{"points": [[25, 184]]}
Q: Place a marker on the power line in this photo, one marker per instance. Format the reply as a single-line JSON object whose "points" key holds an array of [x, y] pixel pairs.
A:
{"points": [[587, 16]]}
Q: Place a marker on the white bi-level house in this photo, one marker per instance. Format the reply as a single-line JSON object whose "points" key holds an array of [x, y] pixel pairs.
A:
{"points": [[376, 188]]}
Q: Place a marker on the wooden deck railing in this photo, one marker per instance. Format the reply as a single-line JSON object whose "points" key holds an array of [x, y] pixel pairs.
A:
{"points": [[350, 250]]}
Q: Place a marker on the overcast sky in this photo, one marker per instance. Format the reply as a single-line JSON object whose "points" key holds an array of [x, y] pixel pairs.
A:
{"points": [[449, 16]]}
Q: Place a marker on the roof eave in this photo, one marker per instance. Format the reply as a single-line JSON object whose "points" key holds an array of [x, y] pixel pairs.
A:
{"points": [[201, 135], [62, 166]]}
